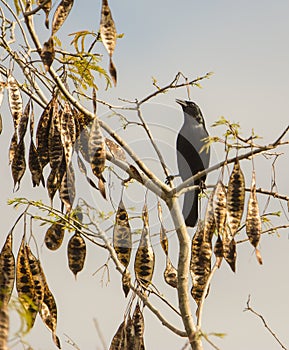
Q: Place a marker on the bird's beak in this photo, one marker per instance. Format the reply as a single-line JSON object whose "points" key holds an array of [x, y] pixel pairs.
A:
{"points": [[181, 102]]}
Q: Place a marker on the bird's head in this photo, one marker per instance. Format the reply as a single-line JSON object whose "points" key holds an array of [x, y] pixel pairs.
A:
{"points": [[192, 109]]}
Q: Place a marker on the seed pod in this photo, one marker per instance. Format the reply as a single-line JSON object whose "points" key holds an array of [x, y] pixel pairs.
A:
{"points": [[220, 207], [18, 164], [55, 149], [68, 132], [97, 154], [209, 221], [126, 278], [42, 132], [218, 251], [118, 338], [164, 240], [200, 266], [13, 147], [7, 271], [35, 166], [15, 100], [67, 188], [4, 327], [235, 198], [48, 311], [107, 28], [122, 241], [52, 183], [138, 324], [145, 257], [171, 274], [48, 53], [61, 14], [54, 236], [115, 150], [129, 331], [76, 252], [112, 72], [46, 8], [25, 286], [229, 250], [24, 121]]}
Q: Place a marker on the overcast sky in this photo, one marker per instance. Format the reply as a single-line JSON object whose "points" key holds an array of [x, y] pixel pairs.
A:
{"points": [[245, 44]]}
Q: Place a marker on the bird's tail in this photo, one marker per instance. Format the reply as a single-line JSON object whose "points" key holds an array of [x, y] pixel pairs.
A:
{"points": [[190, 208]]}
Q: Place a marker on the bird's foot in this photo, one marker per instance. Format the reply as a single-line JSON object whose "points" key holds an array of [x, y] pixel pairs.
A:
{"points": [[170, 178]]}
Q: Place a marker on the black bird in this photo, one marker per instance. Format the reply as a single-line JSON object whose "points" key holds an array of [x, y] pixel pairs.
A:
{"points": [[191, 156]]}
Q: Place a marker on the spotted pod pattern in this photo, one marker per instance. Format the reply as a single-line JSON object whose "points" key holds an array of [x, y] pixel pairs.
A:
{"points": [[164, 240], [68, 132], [209, 220], [55, 149], [46, 8], [138, 325], [48, 53], [171, 274], [76, 253], [253, 219], [61, 13], [235, 198], [115, 150], [118, 340], [35, 165], [22, 127], [97, 154], [122, 239], [18, 165], [107, 28], [25, 286], [126, 279], [229, 250], [7, 271], [145, 258], [4, 327], [129, 332], [13, 147], [200, 265], [54, 236], [220, 207], [14, 100], [52, 183], [67, 188]]}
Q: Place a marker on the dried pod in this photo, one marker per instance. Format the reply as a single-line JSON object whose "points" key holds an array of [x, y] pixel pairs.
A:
{"points": [[61, 14], [229, 251], [48, 53], [46, 6], [52, 183], [209, 220], [145, 258], [164, 240], [25, 286], [97, 154], [129, 332], [138, 325], [220, 207], [13, 147], [24, 121], [4, 327], [122, 241], [171, 274], [68, 132], [126, 278], [7, 271], [116, 151], [35, 166], [15, 100], [55, 149], [67, 188], [18, 165], [235, 198], [218, 249], [76, 252], [118, 339], [54, 236], [107, 28], [112, 72]]}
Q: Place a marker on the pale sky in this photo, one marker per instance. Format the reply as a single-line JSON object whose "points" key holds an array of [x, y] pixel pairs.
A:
{"points": [[245, 44]]}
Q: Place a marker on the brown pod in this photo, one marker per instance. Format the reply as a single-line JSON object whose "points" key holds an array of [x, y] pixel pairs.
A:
{"points": [[48, 53], [18, 165], [235, 198], [220, 207], [14, 100], [171, 274], [60, 14], [126, 278], [115, 150], [46, 6], [54, 236], [122, 241], [13, 147], [138, 325], [22, 127], [76, 253], [209, 220], [229, 251], [4, 327], [68, 132], [35, 166], [118, 339], [7, 271], [67, 188], [107, 28], [145, 258], [55, 148]]}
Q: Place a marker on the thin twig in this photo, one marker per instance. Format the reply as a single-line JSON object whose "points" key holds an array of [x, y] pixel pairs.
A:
{"points": [[100, 334]]}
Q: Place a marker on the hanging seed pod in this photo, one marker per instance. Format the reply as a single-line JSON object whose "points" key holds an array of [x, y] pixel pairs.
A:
{"points": [[229, 250], [7, 271], [48, 311], [14, 100], [35, 166], [61, 14], [115, 150], [24, 121], [55, 149], [122, 241], [46, 6], [42, 132], [25, 286], [112, 72], [218, 251], [97, 154], [253, 219], [145, 258], [37, 273], [171, 274], [200, 266], [13, 147], [164, 240], [209, 221], [54, 236], [220, 207], [138, 324], [48, 53], [107, 28], [118, 338], [18, 165], [52, 183], [235, 198], [76, 252], [129, 331], [126, 278], [67, 189], [4, 327], [68, 132]]}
